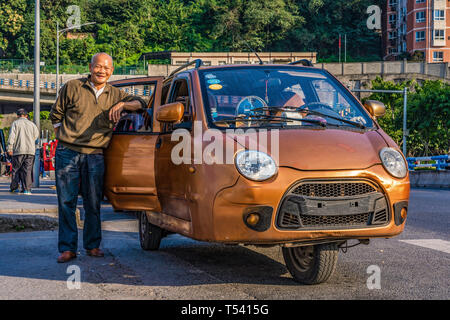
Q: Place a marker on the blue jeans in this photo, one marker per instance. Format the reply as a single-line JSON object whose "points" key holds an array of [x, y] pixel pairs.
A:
{"points": [[77, 172]]}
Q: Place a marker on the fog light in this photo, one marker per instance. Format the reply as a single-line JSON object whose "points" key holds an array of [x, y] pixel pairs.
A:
{"points": [[403, 213], [400, 211], [258, 218], [252, 219]]}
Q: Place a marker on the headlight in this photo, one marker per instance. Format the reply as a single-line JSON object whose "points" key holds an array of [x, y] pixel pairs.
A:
{"points": [[255, 165], [393, 162]]}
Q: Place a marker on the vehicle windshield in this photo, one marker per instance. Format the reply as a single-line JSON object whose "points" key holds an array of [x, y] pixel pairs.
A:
{"points": [[278, 96]]}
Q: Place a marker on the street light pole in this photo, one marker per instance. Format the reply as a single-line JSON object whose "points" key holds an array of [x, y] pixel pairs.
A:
{"points": [[58, 33], [405, 105], [37, 81], [57, 59]]}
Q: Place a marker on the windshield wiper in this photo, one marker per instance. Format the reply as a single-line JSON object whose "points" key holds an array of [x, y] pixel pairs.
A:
{"points": [[263, 117], [317, 113]]}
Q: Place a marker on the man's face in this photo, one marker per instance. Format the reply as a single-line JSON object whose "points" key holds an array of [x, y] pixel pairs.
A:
{"points": [[101, 69]]}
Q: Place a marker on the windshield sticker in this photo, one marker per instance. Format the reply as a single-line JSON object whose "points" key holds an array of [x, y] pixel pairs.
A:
{"points": [[213, 81], [209, 76], [215, 86]]}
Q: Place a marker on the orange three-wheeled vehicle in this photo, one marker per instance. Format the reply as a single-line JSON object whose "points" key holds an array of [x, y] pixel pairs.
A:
{"points": [[258, 155]]}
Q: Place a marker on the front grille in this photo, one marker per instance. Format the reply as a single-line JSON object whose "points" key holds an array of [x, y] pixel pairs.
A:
{"points": [[336, 221], [302, 205], [333, 190]]}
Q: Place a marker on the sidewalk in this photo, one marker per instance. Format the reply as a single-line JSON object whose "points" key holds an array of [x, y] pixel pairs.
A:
{"points": [[39, 211]]}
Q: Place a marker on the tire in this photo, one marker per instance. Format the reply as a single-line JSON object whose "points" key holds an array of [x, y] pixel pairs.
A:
{"points": [[149, 235], [311, 264]]}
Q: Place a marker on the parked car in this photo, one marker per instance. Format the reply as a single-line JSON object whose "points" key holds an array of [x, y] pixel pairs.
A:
{"points": [[258, 155]]}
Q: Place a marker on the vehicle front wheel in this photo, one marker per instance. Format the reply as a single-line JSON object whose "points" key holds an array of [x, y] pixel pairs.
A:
{"points": [[311, 264], [149, 235]]}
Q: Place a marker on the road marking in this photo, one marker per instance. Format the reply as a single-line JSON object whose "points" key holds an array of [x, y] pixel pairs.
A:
{"points": [[435, 244]]}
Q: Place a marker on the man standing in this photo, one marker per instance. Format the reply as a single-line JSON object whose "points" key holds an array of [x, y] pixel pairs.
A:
{"points": [[21, 147], [83, 117]]}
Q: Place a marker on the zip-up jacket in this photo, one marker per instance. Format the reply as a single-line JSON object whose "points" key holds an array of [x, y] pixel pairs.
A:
{"points": [[22, 137], [83, 119]]}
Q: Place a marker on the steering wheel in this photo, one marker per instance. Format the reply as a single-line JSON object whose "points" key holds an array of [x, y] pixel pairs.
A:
{"points": [[319, 107], [248, 105]]}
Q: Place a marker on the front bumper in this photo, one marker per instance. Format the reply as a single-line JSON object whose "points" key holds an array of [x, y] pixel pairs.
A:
{"points": [[292, 217]]}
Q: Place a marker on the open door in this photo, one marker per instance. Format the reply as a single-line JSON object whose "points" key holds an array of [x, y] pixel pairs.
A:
{"points": [[130, 158]]}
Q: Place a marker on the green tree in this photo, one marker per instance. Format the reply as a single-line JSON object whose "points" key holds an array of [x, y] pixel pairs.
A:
{"points": [[429, 119], [428, 115]]}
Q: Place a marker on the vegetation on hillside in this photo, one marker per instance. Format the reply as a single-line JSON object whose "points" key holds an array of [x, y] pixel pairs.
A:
{"points": [[127, 28]]}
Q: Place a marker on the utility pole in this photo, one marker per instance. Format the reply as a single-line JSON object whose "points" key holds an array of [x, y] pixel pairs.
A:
{"points": [[405, 106], [345, 47], [37, 81], [339, 48]]}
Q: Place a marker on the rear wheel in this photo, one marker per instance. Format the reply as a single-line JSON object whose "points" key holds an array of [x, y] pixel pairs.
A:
{"points": [[149, 235], [311, 264]]}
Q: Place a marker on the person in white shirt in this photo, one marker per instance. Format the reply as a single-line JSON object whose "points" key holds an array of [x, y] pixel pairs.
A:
{"points": [[22, 147]]}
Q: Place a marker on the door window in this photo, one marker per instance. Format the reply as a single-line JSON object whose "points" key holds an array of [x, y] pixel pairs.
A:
{"points": [[138, 121], [180, 93]]}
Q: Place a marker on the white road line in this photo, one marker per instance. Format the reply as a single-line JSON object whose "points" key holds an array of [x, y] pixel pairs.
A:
{"points": [[435, 244]]}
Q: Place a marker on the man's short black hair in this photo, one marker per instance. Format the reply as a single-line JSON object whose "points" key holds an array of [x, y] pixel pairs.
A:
{"points": [[21, 112]]}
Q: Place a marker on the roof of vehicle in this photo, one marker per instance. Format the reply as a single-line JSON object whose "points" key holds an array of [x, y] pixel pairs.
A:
{"points": [[199, 66]]}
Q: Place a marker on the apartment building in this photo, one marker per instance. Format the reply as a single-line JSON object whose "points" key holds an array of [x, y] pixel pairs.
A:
{"points": [[417, 27]]}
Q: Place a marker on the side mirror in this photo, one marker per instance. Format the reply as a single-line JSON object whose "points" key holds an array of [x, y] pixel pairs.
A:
{"points": [[375, 108], [170, 113]]}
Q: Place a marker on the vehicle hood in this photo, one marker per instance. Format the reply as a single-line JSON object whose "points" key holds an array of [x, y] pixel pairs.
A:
{"points": [[330, 149]]}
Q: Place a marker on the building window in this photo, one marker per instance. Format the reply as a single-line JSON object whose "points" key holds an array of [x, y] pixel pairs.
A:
{"points": [[420, 1], [439, 34], [392, 3], [420, 16], [392, 50], [439, 15], [392, 18], [420, 36], [438, 56], [392, 35]]}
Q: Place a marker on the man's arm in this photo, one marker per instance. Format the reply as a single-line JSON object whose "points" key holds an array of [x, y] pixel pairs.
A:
{"points": [[59, 108], [116, 110], [36, 133], [11, 139]]}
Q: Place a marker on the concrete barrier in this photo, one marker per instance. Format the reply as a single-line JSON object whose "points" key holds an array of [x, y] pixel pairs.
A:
{"points": [[430, 179]]}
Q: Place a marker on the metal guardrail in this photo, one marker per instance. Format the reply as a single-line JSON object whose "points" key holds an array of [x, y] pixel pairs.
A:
{"points": [[439, 162], [29, 84]]}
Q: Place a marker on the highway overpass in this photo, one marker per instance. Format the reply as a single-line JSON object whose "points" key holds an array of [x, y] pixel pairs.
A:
{"points": [[16, 89]]}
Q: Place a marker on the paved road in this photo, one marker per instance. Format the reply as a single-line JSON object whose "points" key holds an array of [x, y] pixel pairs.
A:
{"points": [[414, 265]]}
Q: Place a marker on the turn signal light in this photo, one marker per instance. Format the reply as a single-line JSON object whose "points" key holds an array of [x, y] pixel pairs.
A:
{"points": [[252, 219], [403, 213]]}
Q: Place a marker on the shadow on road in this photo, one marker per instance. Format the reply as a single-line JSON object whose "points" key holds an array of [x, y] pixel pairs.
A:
{"points": [[179, 262]]}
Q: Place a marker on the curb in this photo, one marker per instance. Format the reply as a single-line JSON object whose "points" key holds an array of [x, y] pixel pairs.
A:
{"points": [[31, 220], [430, 179], [45, 210]]}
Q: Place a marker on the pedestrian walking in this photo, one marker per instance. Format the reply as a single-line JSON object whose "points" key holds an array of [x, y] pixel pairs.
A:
{"points": [[83, 117], [22, 147]]}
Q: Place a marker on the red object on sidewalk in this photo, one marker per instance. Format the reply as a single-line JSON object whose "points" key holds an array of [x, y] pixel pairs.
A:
{"points": [[49, 154]]}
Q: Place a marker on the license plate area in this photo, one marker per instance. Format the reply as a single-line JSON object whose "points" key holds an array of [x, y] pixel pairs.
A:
{"points": [[332, 206]]}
